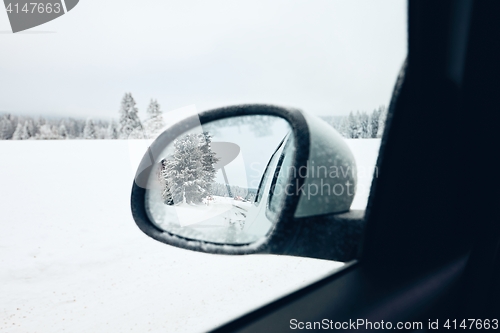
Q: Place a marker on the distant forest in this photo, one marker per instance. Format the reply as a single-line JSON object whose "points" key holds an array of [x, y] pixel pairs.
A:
{"points": [[356, 125], [128, 125], [360, 124]]}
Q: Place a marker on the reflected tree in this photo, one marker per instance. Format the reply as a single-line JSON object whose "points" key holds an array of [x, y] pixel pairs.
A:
{"points": [[187, 175]]}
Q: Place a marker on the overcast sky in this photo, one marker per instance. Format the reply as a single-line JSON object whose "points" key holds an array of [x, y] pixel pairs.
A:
{"points": [[327, 57]]}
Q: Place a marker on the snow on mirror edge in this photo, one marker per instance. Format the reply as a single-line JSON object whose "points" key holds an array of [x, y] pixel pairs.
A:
{"points": [[205, 184]]}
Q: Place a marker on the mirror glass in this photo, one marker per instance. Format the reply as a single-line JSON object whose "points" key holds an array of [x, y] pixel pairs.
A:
{"points": [[213, 182]]}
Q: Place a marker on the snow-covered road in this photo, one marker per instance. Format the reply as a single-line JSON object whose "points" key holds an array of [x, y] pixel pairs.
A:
{"points": [[73, 260]]}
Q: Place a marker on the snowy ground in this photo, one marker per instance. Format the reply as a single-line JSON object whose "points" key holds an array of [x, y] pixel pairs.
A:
{"points": [[72, 259], [188, 214], [365, 152]]}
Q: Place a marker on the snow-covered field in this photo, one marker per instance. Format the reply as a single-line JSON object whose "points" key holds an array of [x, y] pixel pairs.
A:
{"points": [[73, 260]]}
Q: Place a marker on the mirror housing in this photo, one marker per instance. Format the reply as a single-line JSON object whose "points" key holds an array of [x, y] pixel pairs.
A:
{"points": [[318, 225]]}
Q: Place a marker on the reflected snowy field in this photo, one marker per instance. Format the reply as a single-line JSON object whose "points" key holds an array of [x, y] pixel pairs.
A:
{"points": [[219, 220]]}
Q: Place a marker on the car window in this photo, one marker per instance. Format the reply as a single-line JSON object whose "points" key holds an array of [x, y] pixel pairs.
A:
{"points": [[83, 96]]}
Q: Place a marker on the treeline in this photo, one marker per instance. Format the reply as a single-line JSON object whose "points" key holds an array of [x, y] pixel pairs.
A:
{"points": [[128, 125], [25, 127], [220, 190], [360, 125], [357, 125]]}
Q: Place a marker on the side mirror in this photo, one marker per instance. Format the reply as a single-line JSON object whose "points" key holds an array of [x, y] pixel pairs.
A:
{"points": [[250, 179]]}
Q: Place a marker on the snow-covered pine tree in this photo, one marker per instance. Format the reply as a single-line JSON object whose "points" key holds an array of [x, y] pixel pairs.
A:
{"points": [[352, 126], [239, 191], [137, 133], [100, 130], [193, 173], [208, 160], [369, 129], [111, 131], [183, 171], [374, 123], [62, 131], [334, 123], [89, 132], [47, 132], [6, 128], [79, 126], [71, 128], [41, 121], [364, 122], [18, 132], [166, 185], [218, 189], [154, 122], [382, 120], [344, 129], [28, 130], [130, 124], [184, 174]]}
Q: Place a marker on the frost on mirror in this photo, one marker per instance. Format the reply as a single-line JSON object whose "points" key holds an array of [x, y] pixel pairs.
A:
{"points": [[212, 182]]}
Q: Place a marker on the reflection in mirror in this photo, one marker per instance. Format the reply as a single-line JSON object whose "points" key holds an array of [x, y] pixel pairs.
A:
{"points": [[213, 182]]}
